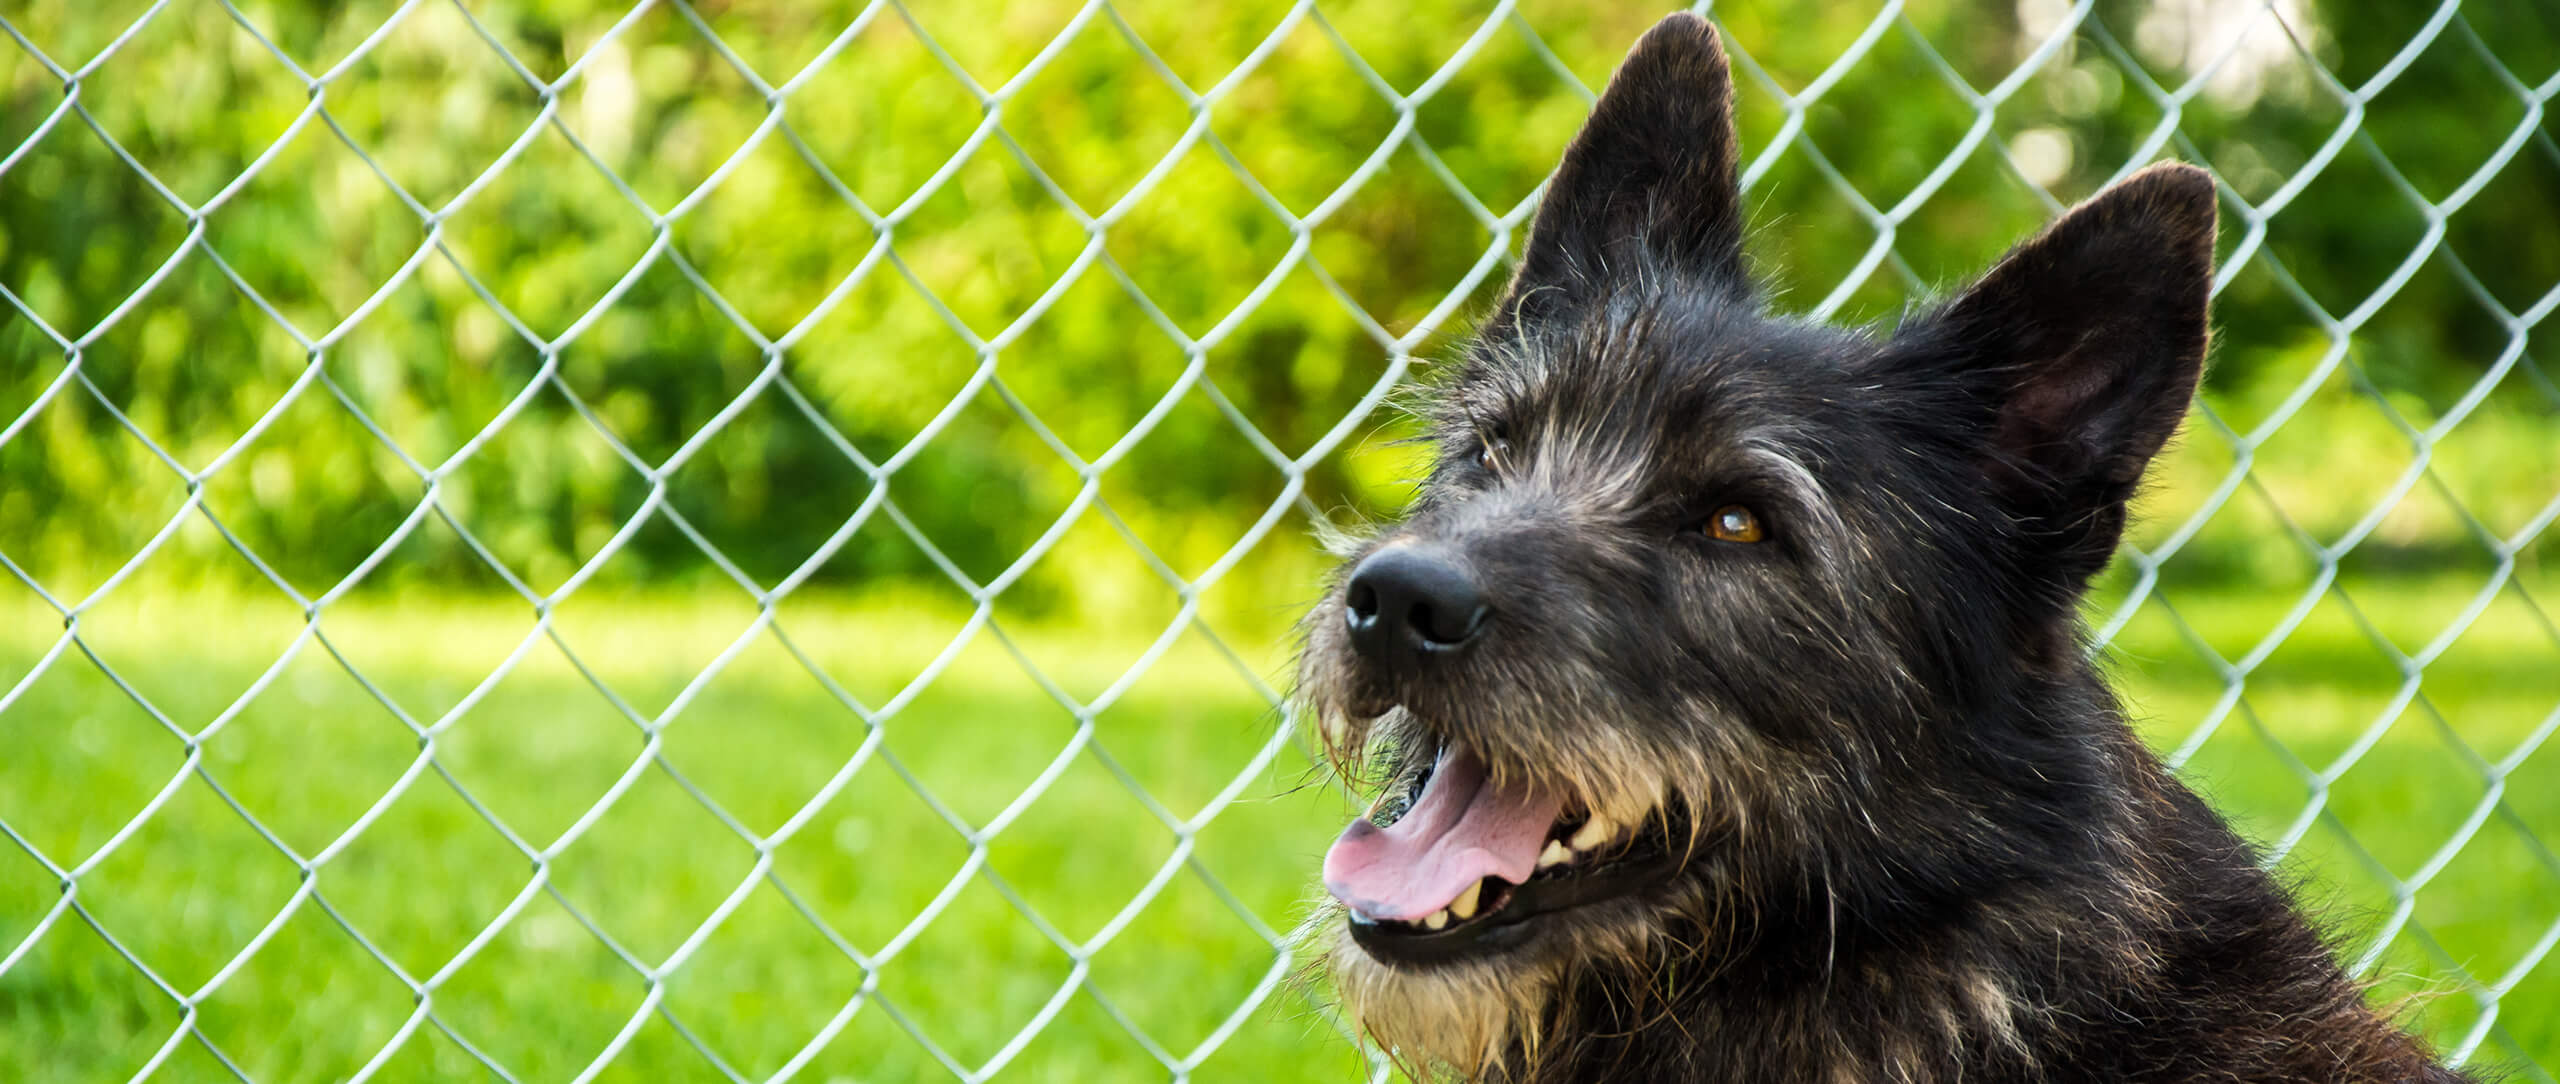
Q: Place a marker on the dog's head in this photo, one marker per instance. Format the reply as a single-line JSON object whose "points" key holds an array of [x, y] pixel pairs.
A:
{"points": [[1704, 612]]}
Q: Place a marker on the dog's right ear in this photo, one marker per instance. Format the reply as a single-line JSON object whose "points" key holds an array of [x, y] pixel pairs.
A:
{"points": [[1650, 181]]}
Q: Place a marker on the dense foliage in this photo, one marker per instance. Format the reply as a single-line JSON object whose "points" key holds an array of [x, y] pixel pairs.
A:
{"points": [[435, 242]]}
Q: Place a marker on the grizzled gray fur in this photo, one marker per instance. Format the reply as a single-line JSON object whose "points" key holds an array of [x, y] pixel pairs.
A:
{"points": [[1724, 687]]}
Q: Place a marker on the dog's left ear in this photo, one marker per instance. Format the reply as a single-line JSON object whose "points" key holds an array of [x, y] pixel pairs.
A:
{"points": [[1652, 174], [2089, 340]]}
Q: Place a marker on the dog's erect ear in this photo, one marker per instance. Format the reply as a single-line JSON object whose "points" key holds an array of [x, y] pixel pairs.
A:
{"points": [[1653, 166], [2090, 339]]}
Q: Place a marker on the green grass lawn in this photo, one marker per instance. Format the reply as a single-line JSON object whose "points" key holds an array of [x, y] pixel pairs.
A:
{"points": [[540, 994]]}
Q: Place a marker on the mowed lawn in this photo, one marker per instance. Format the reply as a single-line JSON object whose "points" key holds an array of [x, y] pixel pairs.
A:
{"points": [[427, 881]]}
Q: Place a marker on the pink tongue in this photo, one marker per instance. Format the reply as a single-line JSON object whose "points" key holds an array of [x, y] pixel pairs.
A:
{"points": [[1462, 830]]}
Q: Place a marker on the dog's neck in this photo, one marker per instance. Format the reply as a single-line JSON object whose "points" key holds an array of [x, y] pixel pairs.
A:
{"points": [[2083, 947]]}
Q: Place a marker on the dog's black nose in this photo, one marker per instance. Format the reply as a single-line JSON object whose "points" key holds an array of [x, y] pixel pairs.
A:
{"points": [[1407, 602]]}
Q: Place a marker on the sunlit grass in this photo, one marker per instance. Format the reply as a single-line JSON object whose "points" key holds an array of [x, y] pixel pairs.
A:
{"points": [[543, 995]]}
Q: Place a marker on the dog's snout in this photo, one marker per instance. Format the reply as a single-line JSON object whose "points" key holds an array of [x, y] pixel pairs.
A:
{"points": [[1405, 603]]}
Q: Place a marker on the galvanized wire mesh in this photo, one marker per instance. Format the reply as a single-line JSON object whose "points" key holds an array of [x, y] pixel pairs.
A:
{"points": [[2059, 31]]}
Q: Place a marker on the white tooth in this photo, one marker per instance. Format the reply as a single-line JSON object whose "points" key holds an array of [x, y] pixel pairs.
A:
{"points": [[1464, 907], [1556, 854], [1438, 920], [1594, 832]]}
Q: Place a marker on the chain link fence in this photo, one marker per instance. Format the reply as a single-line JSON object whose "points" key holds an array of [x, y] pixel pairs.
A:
{"points": [[267, 825]]}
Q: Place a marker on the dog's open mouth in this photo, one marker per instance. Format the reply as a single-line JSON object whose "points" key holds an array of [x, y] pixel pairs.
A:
{"points": [[1463, 865]]}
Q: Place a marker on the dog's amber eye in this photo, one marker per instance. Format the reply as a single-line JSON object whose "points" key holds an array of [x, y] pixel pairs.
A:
{"points": [[1733, 523], [1493, 454]]}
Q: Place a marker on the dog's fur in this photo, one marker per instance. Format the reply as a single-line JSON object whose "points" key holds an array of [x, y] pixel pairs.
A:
{"points": [[1918, 840]]}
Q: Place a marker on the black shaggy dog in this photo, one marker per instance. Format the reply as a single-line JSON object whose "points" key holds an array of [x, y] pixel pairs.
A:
{"points": [[1727, 684]]}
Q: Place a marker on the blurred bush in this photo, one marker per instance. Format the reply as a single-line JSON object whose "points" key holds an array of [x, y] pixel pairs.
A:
{"points": [[885, 265]]}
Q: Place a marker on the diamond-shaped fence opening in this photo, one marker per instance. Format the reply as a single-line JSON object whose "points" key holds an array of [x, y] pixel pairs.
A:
{"points": [[756, 540]]}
